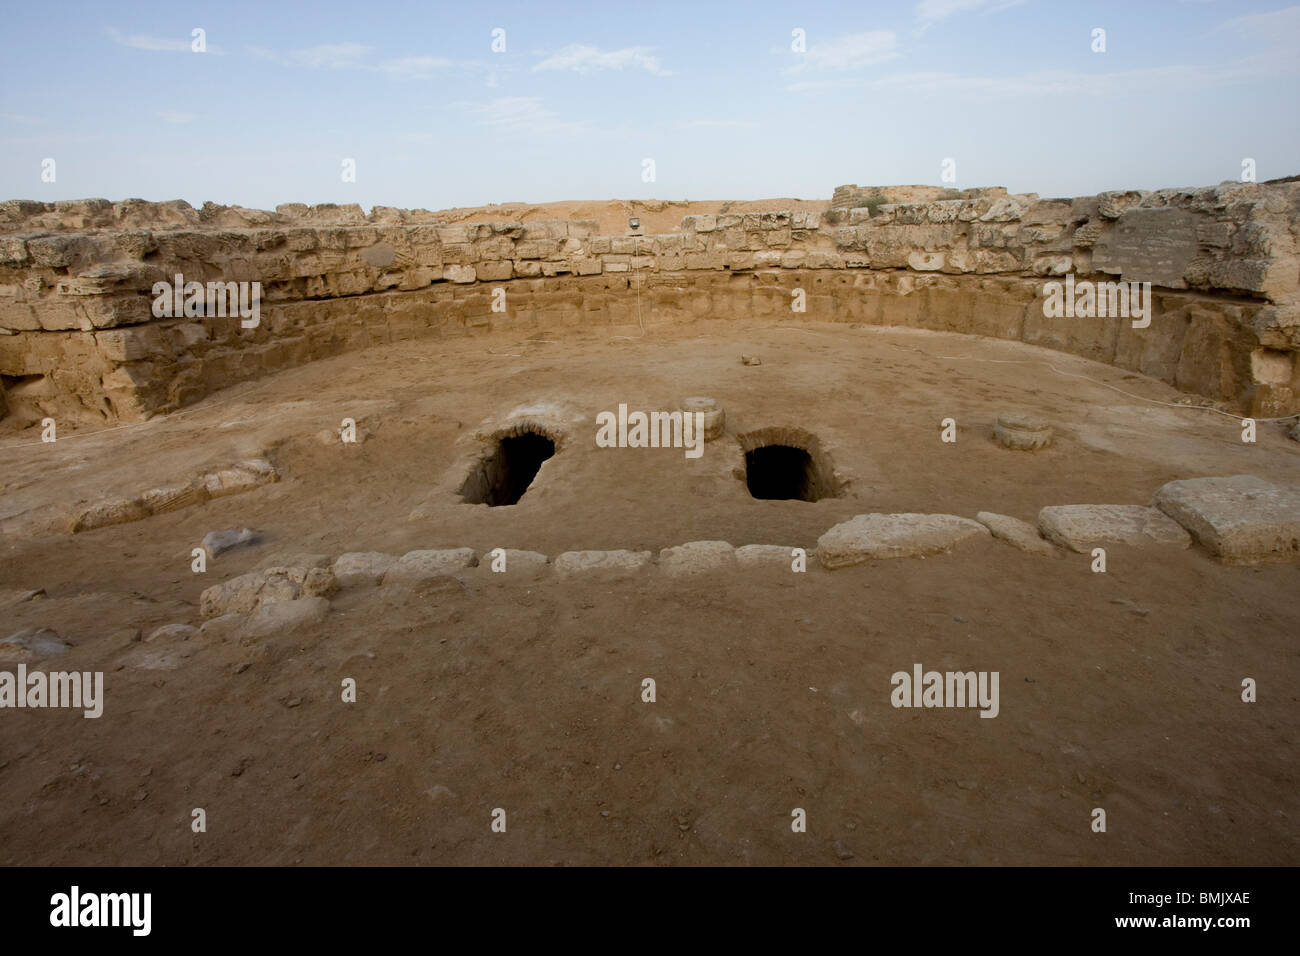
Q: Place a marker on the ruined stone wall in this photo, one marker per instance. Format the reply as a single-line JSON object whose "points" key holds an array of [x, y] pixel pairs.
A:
{"points": [[78, 339]]}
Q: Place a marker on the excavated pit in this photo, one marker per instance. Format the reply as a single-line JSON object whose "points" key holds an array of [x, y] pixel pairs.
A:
{"points": [[787, 465], [504, 475]]}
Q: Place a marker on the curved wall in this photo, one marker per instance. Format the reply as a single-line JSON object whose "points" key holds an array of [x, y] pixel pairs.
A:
{"points": [[79, 340]]}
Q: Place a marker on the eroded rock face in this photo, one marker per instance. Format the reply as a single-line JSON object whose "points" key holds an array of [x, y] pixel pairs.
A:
{"points": [[874, 536], [76, 280], [1241, 519], [1084, 527]]}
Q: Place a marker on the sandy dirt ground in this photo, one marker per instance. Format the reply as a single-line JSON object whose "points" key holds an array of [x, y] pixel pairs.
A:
{"points": [[1118, 690]]}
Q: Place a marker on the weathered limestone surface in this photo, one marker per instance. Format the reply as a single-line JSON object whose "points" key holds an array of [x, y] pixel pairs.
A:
{"points": [[752, 556], [1019, 534], [1084, 527], [419, 567], [362, 568], [697, 557], [1241, 519], [242, 594], [517, 564], [237, 479], [78, 339], [582, 562], [867, 537]]}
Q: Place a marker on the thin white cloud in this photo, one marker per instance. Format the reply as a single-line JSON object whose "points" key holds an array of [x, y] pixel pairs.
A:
{"points": [[22, 118], [179, 119], [852, 51], [930, 12], [331, 56], [1275, 28], [139, 41], [155, 44], [580, 58], [358, 56], [719, 124], [519, 116], [1066, 83], [414, 67]]}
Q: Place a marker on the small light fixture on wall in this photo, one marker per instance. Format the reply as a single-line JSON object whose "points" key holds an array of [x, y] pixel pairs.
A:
{"points": [[634, 223]]}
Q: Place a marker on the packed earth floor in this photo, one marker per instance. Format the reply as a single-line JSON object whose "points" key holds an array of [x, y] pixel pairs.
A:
{"points": [[475, 691]]}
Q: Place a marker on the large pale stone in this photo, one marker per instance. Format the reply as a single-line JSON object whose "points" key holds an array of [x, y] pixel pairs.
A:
{"points": [[508, 564], [1242, 519], [362, 568], [1083, 527], [697, 557], [284, 617], [1019, 534], [872, 536], [419, 567], [242, 594], [579, 562]]}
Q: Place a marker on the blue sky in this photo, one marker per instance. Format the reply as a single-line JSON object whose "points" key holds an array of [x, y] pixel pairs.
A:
{"points": [[583, 93]]}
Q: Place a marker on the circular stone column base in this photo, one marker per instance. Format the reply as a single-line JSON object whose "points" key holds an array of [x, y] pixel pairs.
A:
{"points": [[1022, 431], [714, 416]]}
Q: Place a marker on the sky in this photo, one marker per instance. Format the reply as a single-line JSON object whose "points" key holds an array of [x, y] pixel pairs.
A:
{"points": [[715, 95]]}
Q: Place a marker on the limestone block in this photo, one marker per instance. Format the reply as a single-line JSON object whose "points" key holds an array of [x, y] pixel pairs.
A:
{"points": [[697, 558], [419, 567], [1017, 533], [361, 568], [1083, 527], [873, 536], [1241, 519], [586, 562]]}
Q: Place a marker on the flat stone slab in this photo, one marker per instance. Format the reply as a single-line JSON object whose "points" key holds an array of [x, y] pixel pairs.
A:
{"points": [[419, 567], [1241, 519], [1017, 533], [697, 557], [867, 537], [362, 568], [581, 562], [1083, 527]]}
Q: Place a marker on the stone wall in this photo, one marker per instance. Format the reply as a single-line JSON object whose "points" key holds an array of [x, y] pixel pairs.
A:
{"points": [[78, 339]]}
